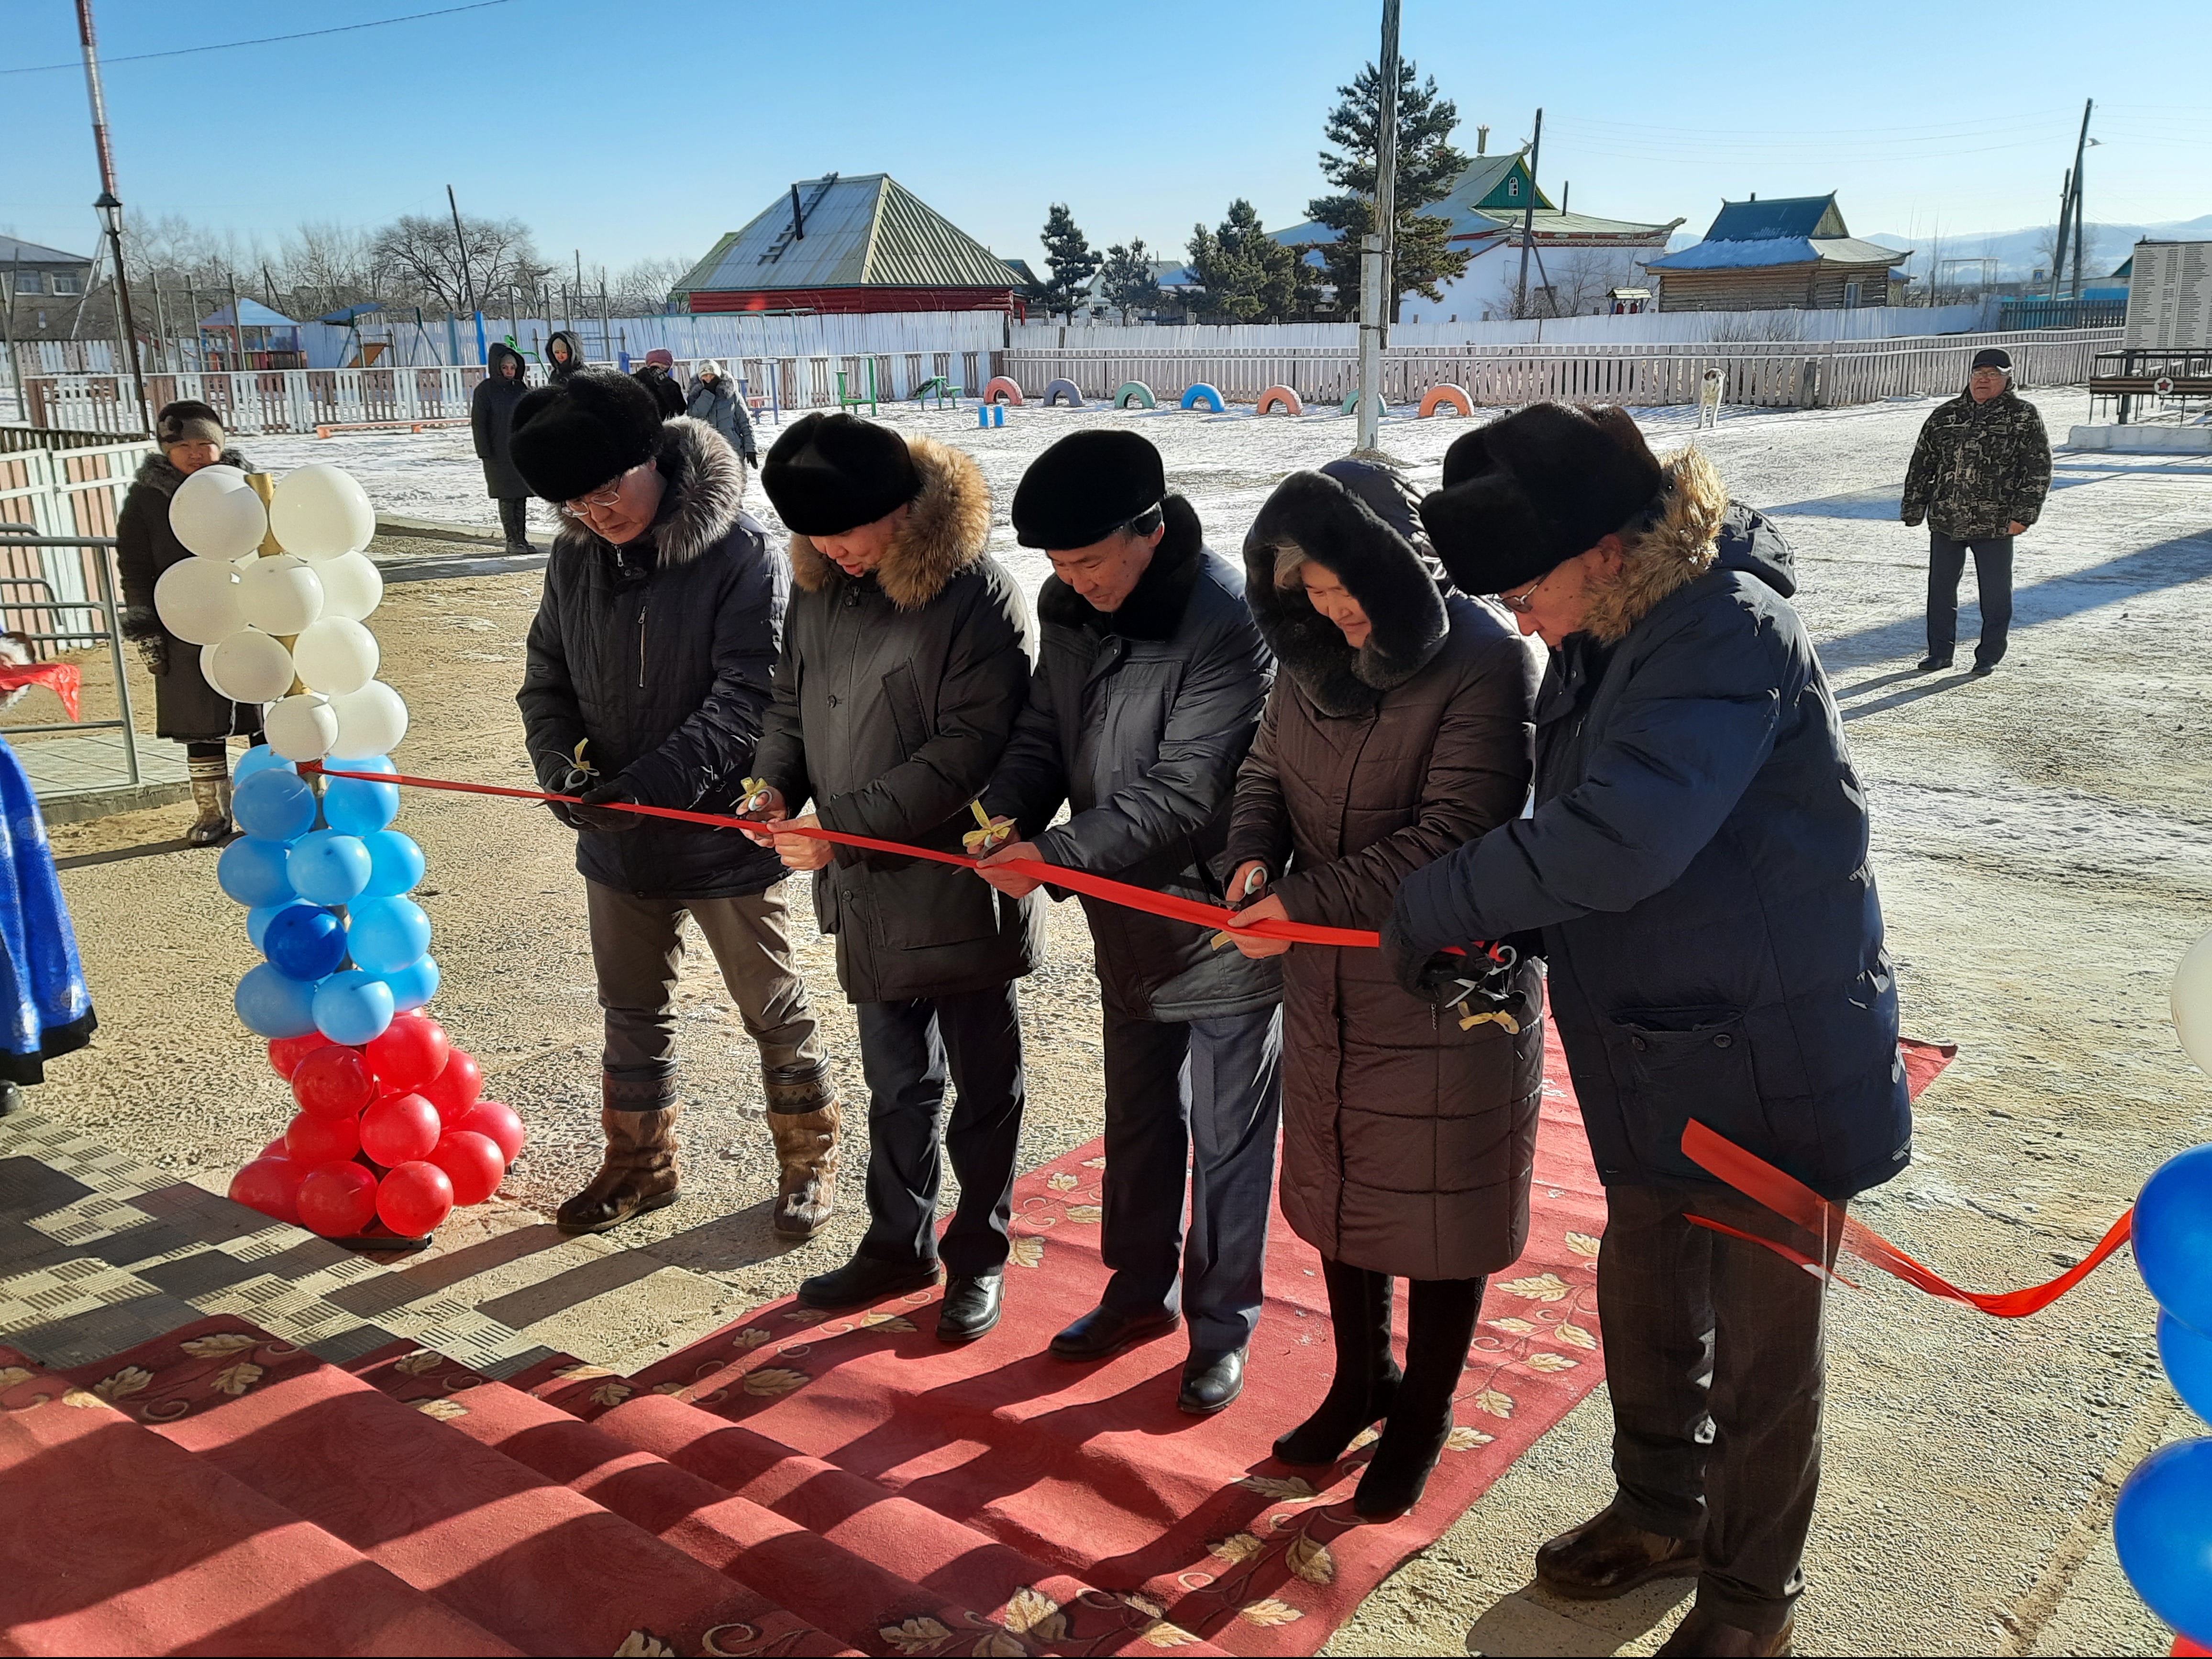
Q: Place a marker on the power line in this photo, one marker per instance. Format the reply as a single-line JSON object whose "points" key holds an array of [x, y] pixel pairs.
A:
{"points": [[265, 39]]}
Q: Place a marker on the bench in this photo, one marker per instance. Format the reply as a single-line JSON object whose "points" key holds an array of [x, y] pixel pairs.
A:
{"points": [[324, 429]]}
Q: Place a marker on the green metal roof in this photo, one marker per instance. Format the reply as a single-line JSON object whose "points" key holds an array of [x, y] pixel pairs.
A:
{"points": [[866, 231]]}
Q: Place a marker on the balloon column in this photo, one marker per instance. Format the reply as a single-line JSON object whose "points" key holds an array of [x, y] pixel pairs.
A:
{"points": [[2163, 1524], [390, 1128]]}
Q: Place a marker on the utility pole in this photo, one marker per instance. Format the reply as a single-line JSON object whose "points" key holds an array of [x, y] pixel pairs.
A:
{"points": [[109, 206], [1529, 219], [468, 278], [1375, 280], [2058, 249], [2081, 154]]}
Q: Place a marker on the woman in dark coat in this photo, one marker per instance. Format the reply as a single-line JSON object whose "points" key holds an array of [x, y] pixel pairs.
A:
{"points": [[186, 707], [563, 357], [491, 412], [1398, 729]]}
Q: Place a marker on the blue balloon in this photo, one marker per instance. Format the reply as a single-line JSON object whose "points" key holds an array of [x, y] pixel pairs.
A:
{"points": [[306, 942], [275, 805], [255, 871], [2186, 1353], [274, 1006], [358, 808], [395, 863], [351, 1007], [386, 934], [260, 758], [328, 867], [2163, 1527], [373, 764], [259, 917], [413, 984], [2174, 1236]]}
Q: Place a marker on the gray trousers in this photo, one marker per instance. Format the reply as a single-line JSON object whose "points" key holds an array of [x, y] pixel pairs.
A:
{"points": [[637, 946], [1715, 1357], [1195, 1103]]}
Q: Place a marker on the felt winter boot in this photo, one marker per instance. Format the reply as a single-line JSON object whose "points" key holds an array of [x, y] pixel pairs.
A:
{"points": [[1440, 1324], [211, 776], [803, 1118], [1367, 1376], [638, 1172]]}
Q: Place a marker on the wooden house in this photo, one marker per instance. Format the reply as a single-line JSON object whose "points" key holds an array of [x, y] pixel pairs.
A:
{"points": [[1787, 253]]}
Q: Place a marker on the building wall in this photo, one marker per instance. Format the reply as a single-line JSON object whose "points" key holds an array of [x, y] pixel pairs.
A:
{"points": [[852, 301], [1484, 292], [1810, 287]]}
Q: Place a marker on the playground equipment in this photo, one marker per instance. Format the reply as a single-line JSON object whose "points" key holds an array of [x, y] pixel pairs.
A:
{"points": [[1437, 396], [1136, 392], [1351, 403], [856, 397], [1281, 397], [940, 387], [1000, 387], [1058, 389], [990, 415], [1202, 393]]}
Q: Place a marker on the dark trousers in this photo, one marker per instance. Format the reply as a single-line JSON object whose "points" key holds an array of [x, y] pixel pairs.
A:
{"points": [[909, 1051], [1947, 563], [1195, 1102], [514, 520], [1716, 1358]]}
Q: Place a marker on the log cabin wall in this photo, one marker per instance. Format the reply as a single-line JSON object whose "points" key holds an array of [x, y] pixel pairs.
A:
{"points": [[1811, 287]]}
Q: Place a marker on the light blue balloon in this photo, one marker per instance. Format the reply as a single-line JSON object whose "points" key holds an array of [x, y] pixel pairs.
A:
{"points": [[260, 758], [413, 984], [385, 934], [275, 805], [373, 764], [351, 1007], [255, 871], [274, 1006], [259, 917], [395, 863], [328, 867], [358, 808]]}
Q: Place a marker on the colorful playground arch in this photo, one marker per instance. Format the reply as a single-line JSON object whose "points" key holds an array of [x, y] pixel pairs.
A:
{"points": [[1001, 390], [1202, 393], [1350, 405], [1283, 398], [1136, 392], [1058, 389], [1437, 396]]}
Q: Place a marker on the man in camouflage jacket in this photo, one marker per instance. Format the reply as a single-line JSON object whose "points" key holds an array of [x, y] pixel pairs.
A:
{"points": [[1979, 476]]}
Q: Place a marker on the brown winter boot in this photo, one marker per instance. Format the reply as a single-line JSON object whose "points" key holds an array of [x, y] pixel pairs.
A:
{"points": [[210, 776], [803, 1118], [637, 1174]]}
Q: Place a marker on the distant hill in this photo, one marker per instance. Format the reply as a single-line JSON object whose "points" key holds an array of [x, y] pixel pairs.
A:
{"points": [[2020, 252]]}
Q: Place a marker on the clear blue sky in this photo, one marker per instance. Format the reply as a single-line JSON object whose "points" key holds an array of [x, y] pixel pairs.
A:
{"points": [[650, 127]]}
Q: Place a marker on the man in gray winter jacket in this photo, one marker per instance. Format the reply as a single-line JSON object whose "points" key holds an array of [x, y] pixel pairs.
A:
{"points": [[1146, 697]]}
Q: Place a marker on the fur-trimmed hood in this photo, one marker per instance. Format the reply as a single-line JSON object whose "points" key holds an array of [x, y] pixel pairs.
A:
{"points": [[158, 472], [560, 371], [947, 529], [1679, 546], [707, 482], [1331, 526], [1155, 607]]}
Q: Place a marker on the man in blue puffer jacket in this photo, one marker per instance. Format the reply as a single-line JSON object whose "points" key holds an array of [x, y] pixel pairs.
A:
{"points": [[1696, 861]]}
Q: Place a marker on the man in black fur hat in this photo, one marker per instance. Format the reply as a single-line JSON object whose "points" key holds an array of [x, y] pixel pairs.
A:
{"points": [[1697, 861], [904, 663], [647, 682], [1144, 702]]}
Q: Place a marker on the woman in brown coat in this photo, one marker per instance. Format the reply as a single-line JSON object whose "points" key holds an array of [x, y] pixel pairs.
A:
{"points": [[1398, 729]]}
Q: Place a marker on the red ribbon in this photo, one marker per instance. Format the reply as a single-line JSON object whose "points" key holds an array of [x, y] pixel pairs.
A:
{"points": [[64, 677]]}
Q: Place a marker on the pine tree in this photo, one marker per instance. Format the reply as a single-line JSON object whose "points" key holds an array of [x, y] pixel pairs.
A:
{"points": [[1072, 259], [1248, 277], [1427, 167], [1130, 284]]}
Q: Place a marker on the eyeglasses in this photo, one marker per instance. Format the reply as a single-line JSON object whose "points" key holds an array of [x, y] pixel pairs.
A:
{"points": [[608, 497], [1519, 604]]}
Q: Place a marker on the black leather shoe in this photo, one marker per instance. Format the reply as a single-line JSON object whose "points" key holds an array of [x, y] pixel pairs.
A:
{"points": [[1930, 664], [1608, 1555], [1211, 1380], [1982, 670], [971, 1306], [864, 1279], [1102, 1333]]}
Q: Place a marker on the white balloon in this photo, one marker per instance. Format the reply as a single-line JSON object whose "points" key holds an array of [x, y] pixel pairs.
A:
{"points": [[371, 721], [337, 655], [320, 512], [248, 667], [197, 601], [2192, 1002], [302, 728], [216, 515], [281, 595], [352, 587]]}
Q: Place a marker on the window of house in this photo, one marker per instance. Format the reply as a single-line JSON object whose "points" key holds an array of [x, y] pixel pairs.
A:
{"points": [[1851, 296], [1512, 186], [68, 281], [29, 282]]}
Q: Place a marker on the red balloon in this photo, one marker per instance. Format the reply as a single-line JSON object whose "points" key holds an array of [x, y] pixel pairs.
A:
{"points": [[285, 1054], [455, 1089], [414, 1199], [333, 1082], [315, 1141], [398, 1129], [474, 1162], [271, 1185], [337, 1200], [498, 1121], [276, 1148], [412, 1051]]}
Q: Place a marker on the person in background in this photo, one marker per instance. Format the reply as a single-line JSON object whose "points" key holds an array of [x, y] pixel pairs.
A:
{"points": [[563, 357], [1979, 475], [186, 709], [666, 394], [46, 1008], [1147, 689], [1398, 729], [491, 413], [712, 396]]}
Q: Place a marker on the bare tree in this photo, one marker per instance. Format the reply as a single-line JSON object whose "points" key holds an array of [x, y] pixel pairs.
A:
{"points": [[1581, 275], [641, 289], [419, 257]]}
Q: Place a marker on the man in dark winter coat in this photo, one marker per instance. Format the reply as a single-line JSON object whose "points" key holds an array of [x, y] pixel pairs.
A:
{"points": [[1979, 474], [1697, 861], [647, 680], [563, 356], [712, 396], [186, 709], [904, 666], [491, 414], [1147, 694]]}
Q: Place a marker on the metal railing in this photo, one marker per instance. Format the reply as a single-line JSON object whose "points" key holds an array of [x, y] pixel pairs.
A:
{"points": [[107, 630]]}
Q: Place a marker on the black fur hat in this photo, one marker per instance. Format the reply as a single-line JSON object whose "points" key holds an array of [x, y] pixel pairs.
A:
{"points": [[582, 434], [188, 421], [831, 473], [1086, 487], [1533, 489]]}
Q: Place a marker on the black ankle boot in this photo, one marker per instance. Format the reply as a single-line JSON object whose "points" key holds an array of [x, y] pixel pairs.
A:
{"points": [[1367, 1376], [1440, 1324]]}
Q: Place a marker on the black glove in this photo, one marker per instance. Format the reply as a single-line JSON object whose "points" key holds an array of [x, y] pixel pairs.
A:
{"points": [[1431, 976], [563, 810], [593, 814]]}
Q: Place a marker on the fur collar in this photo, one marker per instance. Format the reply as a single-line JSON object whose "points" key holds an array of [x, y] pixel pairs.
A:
{"points": [[1674, 551], [709, 484], [158, 472], [1394, 586], [947, 531], [1155, 607]]}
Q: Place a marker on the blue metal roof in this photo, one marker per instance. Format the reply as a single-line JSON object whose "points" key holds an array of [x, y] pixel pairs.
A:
{"points": [[1777, 251], [251, 314], [1778, 216]]}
